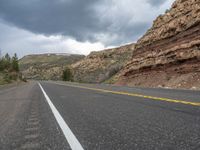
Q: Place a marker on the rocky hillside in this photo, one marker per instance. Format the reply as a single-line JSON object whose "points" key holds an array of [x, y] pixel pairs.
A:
{"points": [[168, 55], [100, 66], [46, 66]]}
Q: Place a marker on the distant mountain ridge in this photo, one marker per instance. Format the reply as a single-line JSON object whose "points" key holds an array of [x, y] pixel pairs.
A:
{"points": [[46, 66]]}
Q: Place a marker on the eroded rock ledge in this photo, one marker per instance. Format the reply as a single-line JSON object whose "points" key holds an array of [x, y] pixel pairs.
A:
{"points": [[169, 53]]}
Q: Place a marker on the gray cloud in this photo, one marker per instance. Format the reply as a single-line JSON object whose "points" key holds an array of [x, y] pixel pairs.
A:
{"points": [[110, 22], [156, 2], [16, 40], [73, 18]]}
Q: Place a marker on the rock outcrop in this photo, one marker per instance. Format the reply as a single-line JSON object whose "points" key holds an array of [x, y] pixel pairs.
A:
{"points": [[101, 66], [168, 55]]}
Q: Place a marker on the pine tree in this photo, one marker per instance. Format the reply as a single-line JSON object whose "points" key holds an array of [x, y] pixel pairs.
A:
{"points": [[7, 57], [1, 64], [6, 60], [15, 64]]}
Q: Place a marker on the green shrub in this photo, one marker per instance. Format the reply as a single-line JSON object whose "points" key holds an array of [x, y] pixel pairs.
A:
{"points": [[7, 78], [67, 74]]}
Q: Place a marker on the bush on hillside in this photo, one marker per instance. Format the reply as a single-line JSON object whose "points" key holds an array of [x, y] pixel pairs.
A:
{"points": [[67, 74]]}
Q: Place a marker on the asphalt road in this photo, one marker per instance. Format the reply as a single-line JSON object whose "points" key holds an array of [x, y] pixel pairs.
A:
{"points": [[62, 116]]}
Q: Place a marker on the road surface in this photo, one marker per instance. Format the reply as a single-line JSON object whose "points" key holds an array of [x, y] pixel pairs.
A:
{"points": [[62, 116]]}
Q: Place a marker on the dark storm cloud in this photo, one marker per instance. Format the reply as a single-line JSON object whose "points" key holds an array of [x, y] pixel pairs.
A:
{"points": [[80, 19], [67, 17]]}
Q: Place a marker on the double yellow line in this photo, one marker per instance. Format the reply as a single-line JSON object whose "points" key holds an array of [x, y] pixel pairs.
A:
{"points": [[136, 95]]}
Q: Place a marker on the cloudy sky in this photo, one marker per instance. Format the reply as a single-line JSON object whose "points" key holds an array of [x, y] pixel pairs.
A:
{"points": [[74, 26]]}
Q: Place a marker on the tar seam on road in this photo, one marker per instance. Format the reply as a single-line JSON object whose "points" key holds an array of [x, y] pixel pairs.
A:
{"points": [[70, 137], [135, 95]]}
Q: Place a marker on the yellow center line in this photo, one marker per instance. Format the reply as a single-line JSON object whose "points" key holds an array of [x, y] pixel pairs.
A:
{"points": [[136, 95]]}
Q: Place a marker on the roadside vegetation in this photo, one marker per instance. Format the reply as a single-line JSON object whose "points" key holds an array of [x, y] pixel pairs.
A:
{"points": [[67, 74], [9, 69]]}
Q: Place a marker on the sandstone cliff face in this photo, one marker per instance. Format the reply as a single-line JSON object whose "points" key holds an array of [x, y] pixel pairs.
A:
{"points": [[100, 66], [169, 53]]}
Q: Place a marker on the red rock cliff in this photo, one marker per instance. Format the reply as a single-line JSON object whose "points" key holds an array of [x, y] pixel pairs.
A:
{"points": [[169, 53]]}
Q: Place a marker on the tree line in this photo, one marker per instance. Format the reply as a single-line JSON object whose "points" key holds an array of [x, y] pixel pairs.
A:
{"points": [[9, 64], [9, 69]]}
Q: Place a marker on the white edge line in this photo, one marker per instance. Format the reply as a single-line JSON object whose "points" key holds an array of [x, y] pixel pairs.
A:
{"points": [[70, 137]]}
